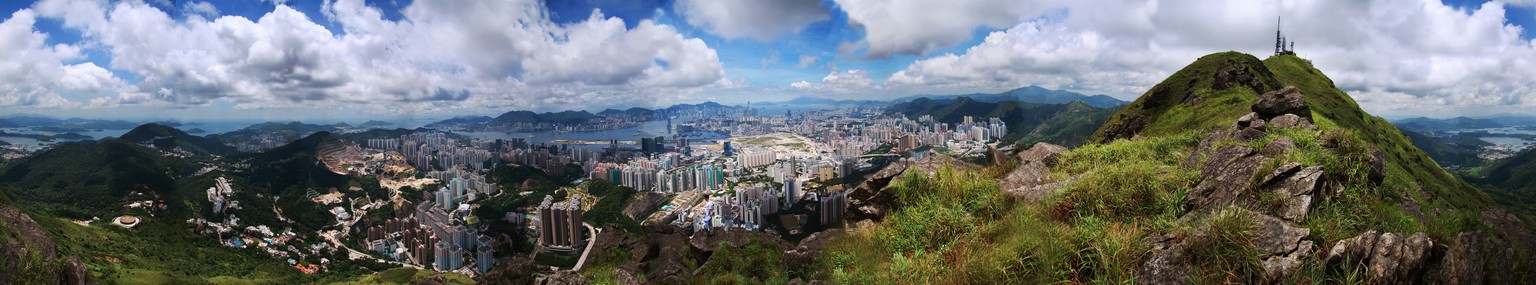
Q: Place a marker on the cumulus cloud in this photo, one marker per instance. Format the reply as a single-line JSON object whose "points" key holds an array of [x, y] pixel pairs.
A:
{"points": [[835, 83], [500, 54], [917, 27], [32, 73], [755, 19], [1390, 56]]}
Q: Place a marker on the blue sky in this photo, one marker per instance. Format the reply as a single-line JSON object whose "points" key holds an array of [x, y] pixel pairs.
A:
{"points": [[266, 59]]}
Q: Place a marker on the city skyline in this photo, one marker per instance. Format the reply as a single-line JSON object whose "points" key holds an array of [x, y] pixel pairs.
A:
{"points": [[348, 60]]}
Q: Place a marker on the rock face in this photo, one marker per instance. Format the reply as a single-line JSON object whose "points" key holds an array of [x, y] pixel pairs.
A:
{"points": [[1389, 258], [644, 203], [1031, 182], [33, 240]]}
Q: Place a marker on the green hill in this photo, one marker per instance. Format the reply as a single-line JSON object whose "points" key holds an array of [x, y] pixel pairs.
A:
{"points": [[165, 137], [1461, 151], [1218, 88], [295, 164], [529, 117], [1065, 124], [1510, 180], [85, 179], [1184, 187]]}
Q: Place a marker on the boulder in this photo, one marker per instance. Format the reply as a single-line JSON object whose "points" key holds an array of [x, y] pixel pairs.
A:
{"points": [[1378, 162], [1031, 181], [1287, 100], [1291, 121]]}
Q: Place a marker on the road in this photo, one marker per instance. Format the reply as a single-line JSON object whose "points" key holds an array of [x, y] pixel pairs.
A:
{"points": [[590, 241]]}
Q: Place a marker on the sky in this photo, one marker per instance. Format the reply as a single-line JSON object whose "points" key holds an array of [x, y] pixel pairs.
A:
{"points": [[402, 59]]}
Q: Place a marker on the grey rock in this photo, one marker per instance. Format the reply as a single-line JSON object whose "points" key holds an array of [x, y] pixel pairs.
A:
{"points": [[1291, 121], [1167, 264], [1287, 100], [1031, 181], [1378, 171], [1278, 147], [563, 277], [1224, 177]]}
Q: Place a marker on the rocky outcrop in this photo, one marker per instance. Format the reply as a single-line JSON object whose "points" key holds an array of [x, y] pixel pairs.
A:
{"points": [[1031, 181], [512, 270], [31, 258], [660, 254], [644, 204], [1282, 245], [1389, 258], [810, 248], [1228, 171], [1282, 248], [871, 202], [564, 277]]}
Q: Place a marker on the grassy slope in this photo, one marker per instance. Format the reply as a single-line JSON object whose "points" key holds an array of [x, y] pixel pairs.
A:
{"points": [[1410, 170], [955, 227]]}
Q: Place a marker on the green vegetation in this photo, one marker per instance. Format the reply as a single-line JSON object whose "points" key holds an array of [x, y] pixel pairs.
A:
{"points": [[164, 137], [411, 276], [609, 208], [82, 180], [757, 262]]}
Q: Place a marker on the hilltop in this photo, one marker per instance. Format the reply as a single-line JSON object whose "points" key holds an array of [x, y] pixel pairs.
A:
{"points": [[1232, 170], [167, 138]]}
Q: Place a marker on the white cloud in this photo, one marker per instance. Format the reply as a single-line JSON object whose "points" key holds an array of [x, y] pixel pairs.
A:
{"points": [[917, 27], [835, 83], [32, 73], [1382, 52], [756, 19], [807, 61], [200, 8], [442, 56]]}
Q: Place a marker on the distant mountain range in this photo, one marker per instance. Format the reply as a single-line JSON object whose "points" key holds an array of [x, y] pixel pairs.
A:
{"points": [[1033, 94], [1463, 123], [567, 117], [1067, 124]]}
